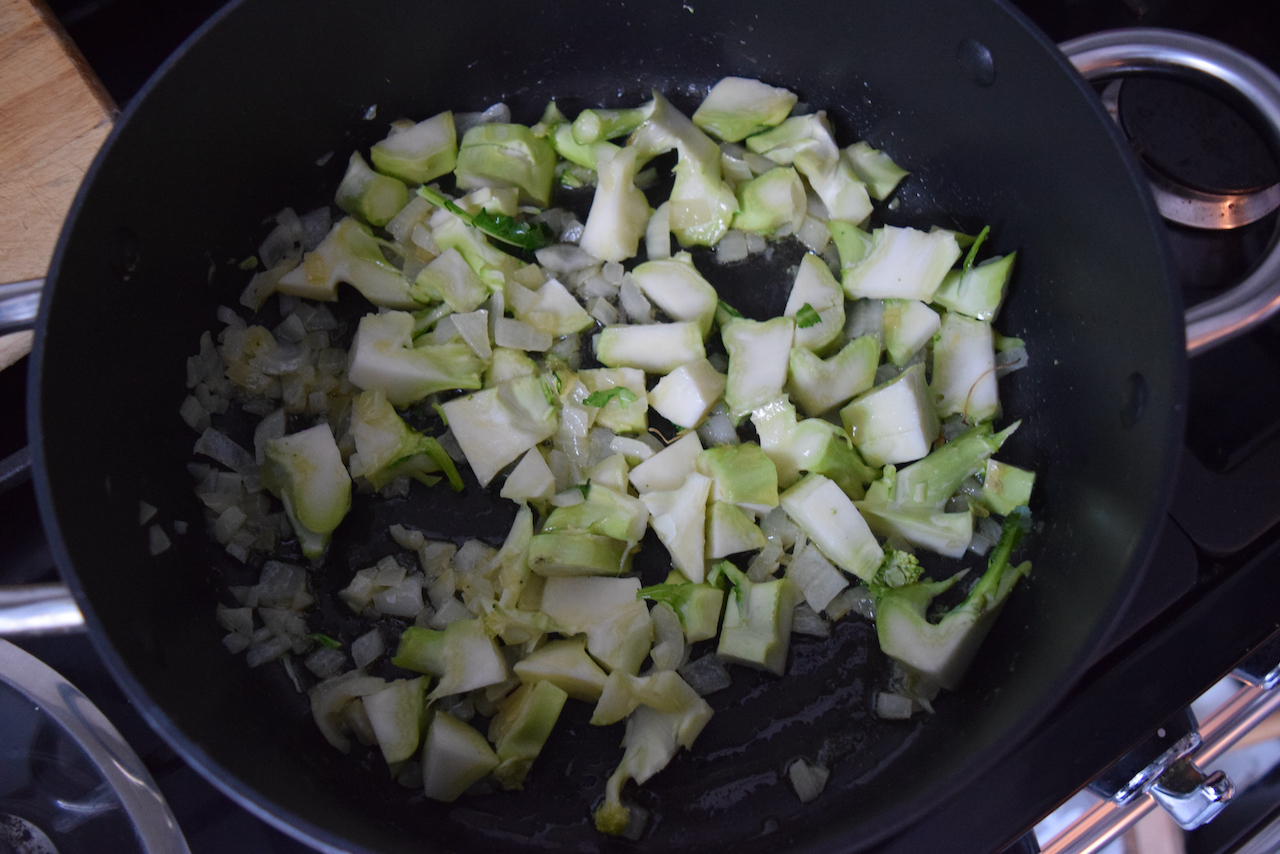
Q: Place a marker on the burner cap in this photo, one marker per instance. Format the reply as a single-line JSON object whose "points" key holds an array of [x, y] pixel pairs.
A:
{"points": [[1192, 137]]}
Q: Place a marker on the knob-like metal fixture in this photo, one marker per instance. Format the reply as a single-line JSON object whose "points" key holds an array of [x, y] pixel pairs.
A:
{"points": [[1191, 798]]}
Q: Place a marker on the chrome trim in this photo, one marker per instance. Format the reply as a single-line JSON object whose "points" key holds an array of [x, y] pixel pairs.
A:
{"points": [[1107, 820], [38, 609], [1120, 52], [138, 793], [19, 304]]}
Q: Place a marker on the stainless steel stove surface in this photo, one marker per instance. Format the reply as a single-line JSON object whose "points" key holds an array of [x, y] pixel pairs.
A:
{"points": [[1213, 600]]}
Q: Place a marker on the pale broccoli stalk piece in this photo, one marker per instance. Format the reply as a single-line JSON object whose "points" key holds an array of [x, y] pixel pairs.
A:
{"points": [[737, 107], [964, 369], [807, 142], [697, 605], [651, 741], [731, 531], [926, 527], [556, 127], [947, 534], [521, 727], [593, 126], [420, 153], [687, 395], [852, 243], [931, 481], [811, 445], [497, 154], [463, 657], [305, 471], [349, 253], [819, 385], [668, 468], [977, 290], [743, 475], [605, 512], [617, 625], [894, 422], [618, 395], [759, 352], [756, 630], [387, 448], [619, 211], [454, 757], [821, 326], [832, 521], [662, 690], [678, 516], [908, 326], [655, 348], [383, 357], [491, 264], [702, 204], [566, 663], [901, 263], [770, 201], [942, 651], [586, 156], [1006, 487], [497, 425], [675, 286], [395, 713], [450, 278], [373, 197], [875, 169], [572, 552], [550, 309]]}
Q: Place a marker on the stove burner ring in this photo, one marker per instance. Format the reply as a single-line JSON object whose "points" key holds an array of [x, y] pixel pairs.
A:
{"points": [[1117, 53], [19, 836], [1186, 205]]}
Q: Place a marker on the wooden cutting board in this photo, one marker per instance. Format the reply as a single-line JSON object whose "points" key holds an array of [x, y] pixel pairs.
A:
{"points": [[54, 116]]}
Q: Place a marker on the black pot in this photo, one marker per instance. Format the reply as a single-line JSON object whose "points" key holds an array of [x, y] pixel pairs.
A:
{"points": [[260, 111]]}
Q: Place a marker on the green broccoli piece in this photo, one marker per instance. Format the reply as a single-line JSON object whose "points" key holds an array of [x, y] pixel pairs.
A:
{"points": [[387, 448], [898, 570], [942, 651]]}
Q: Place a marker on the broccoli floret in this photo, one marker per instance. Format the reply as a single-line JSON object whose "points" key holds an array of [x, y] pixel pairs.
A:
{"points": [[899, 569]]}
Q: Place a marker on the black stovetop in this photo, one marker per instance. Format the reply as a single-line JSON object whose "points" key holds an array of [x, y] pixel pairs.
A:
{"points": [[1212, 601]]}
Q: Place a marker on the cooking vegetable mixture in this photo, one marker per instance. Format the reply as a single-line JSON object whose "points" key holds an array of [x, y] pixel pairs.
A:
{"points": [[803, 459]]}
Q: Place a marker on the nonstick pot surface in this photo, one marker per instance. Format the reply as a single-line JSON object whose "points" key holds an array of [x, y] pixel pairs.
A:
{"points": [[261, 111]]}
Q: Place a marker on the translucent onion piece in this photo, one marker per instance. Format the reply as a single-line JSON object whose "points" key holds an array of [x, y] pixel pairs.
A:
{"points": [[808, 780], [706, 675], [367, 648]]}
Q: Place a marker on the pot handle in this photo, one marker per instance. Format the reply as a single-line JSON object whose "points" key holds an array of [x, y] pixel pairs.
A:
{"points": [[1148, 50], [33, 609], [19, 302], [38, 609]]}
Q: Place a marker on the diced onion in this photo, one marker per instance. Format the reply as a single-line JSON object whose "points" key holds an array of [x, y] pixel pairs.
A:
{"points": [[808, 780], [893, 706], [158, 541], [367, 648], [732, 247], [706, 675]]}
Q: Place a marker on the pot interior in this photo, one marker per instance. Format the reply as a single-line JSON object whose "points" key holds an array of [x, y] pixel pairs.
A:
{"points": [[262, 111]]}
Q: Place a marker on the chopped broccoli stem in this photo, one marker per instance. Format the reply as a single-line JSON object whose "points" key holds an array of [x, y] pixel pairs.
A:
{"points": [[941, 652]]}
